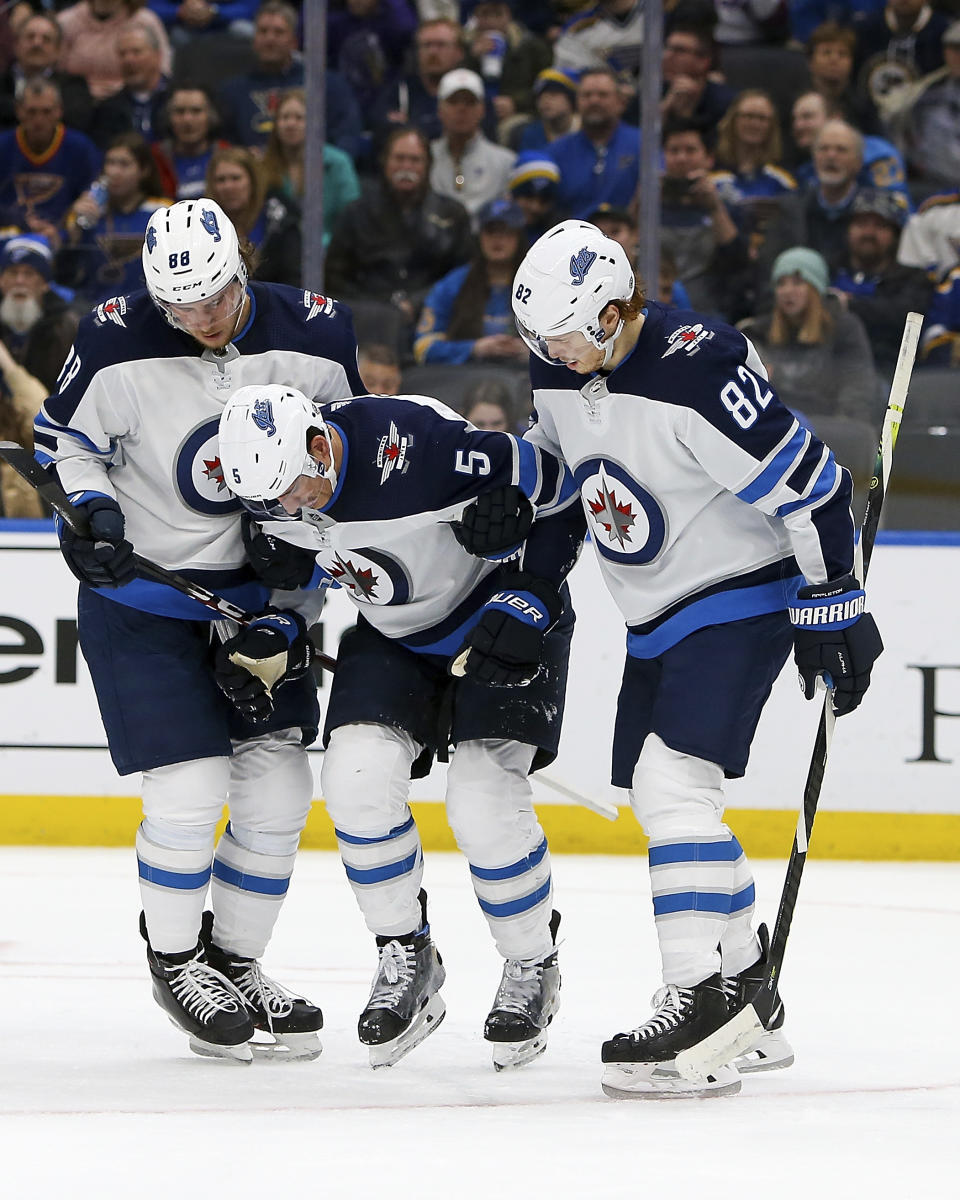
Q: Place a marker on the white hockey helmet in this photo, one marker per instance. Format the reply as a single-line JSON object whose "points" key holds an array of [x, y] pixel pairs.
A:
{"points": [[190, 252], [564, 283], [263, 446]]}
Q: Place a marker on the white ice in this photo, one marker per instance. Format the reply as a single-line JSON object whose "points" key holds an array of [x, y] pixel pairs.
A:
{"points": [[99, 1096]]}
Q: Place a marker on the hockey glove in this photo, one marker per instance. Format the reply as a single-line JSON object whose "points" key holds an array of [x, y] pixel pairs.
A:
{"points": [[104, 558], [495, 524], [278, 563], [505, 647], [266, 653], [835, 638]]}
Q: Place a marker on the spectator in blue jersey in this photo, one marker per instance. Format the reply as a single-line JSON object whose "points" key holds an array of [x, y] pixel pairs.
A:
{"points": [[898, 46], [102, 256], [283, 163], [817, 355], [466, 316], [940, 343], [44, 166], [830, 54], [555, 104], [185, 20], [267, 222], [689, 94], [185, 155], [367, 42], [533, 187], [869, 282], [249, 102], [806, 15], [36, 51], [140, 105], [748, 177], [600, 163], [881, 167]]}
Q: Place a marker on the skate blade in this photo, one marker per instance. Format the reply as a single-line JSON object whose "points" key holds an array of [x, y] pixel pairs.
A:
{"points": [[240, 1053], [772, 1053], [287, 1047], [661, 1081], [509, 1055], [390, 1053]]}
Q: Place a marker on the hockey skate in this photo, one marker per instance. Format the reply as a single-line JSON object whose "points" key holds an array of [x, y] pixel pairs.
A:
{"points": [[640, 1064], [525, 1004], [289, 1022], [773, 1052], [201, 1002], [405, 1004]]}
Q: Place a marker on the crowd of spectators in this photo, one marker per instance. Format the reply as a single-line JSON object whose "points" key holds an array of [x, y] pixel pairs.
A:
{"points": [[809, 156]]}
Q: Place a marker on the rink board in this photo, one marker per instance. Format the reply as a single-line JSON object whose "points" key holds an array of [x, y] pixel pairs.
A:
{"points": [[890, 791]]}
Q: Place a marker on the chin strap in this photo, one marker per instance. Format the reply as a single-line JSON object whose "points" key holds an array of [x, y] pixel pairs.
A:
{"points": [[607, 344]]}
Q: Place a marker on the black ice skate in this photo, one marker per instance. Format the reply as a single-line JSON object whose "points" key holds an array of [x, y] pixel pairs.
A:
{"points": [[641, 1062], [290, 1022], [201, 1002], [405, 1005], [525, 1004], [772, 1052]]}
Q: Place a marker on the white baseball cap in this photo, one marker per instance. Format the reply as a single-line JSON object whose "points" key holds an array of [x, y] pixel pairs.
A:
{"points": [[460, 80]]}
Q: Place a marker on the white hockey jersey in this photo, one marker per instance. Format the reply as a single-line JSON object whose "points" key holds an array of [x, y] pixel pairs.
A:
{"points": [[706, 499], [136, 413], [410, 466]]}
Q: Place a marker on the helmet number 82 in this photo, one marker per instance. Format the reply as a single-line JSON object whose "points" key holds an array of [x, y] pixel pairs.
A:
{"points": [[741, 407], [182, 259]]}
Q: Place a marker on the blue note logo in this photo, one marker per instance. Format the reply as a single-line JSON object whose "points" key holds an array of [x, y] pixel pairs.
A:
{"points": [[263, 416], [208, 219], [580, 264]]}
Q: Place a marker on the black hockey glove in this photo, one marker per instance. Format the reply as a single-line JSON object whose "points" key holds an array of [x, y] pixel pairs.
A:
{"points": [[835, 638], [495, 524], [263, 655], [277, 563], [105, 557], [505, 647]]}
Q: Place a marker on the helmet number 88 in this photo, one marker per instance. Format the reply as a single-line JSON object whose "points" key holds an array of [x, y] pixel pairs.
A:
{"points": [[741, 407], [179, 260]]}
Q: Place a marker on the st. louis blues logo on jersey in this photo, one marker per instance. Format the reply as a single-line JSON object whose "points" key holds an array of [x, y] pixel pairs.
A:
{"points": [[626, 522], [580, 264], [367, 576], [317, 304], [263, 417], [392, 453], [199, 475], [208, 219], [113, 310]]}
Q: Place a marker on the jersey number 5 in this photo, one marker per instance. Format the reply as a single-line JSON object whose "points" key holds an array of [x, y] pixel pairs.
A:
{"points": [[473, 463], [740, 406]]}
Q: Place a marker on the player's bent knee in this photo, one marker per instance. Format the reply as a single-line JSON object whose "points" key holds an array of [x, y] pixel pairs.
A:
{"points": [[365, 777], [674, 793], [186, 794], [278, 845], [489, 800]]}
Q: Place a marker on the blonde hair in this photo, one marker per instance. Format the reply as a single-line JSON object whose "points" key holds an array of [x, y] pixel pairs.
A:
{"points": [[815, 328], [727, 151]]}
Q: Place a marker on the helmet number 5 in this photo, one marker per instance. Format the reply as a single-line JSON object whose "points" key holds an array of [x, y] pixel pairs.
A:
{"points": [[743, 410]]}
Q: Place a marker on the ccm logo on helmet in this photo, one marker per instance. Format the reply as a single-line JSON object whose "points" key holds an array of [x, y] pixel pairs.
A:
{"points": [[187, 287]]}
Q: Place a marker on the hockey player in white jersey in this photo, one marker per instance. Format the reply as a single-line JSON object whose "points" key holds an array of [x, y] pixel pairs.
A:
{"points": [[723, 531], [132, 435], [369, 494]]}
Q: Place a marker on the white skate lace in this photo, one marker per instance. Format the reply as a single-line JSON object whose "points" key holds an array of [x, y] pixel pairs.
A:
{"points": [[263, 992], [203, 992], [394, 974], [670, 1003], [519, 986]]}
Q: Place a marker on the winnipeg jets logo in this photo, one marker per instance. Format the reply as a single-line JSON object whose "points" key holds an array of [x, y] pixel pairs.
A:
{"points": [[580, 264], [262, 416], [317, 304], [616, 518], [208, 219], [392, 453], [687, 338], [213, 471], [151, 239], [112, 310], [360, 580]]}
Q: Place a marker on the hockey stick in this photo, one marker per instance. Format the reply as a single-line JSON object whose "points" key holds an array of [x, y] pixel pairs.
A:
{"points": [[742, 1032], [23, 462]]}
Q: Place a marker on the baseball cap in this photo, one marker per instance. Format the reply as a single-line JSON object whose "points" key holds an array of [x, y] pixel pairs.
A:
{"points": [[30, 251], [802, 261], [891, 206], [501, 212], [561, 81], [460, 80]]}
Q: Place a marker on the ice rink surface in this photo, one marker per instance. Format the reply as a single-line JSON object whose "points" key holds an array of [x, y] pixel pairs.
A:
{"points": [[99, 1096]]}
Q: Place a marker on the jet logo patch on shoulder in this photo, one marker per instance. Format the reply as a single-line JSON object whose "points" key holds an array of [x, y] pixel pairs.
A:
{"points": [[113, 310], [687, 338], [392, 453], [316, 304]]}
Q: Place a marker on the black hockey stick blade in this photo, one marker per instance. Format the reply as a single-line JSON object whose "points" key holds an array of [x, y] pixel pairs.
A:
{"points": [[742, 1032], [23, 462]]}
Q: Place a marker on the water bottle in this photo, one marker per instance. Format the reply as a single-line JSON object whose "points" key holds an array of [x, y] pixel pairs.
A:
{"points": [[491, 62], [98, 192]]}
